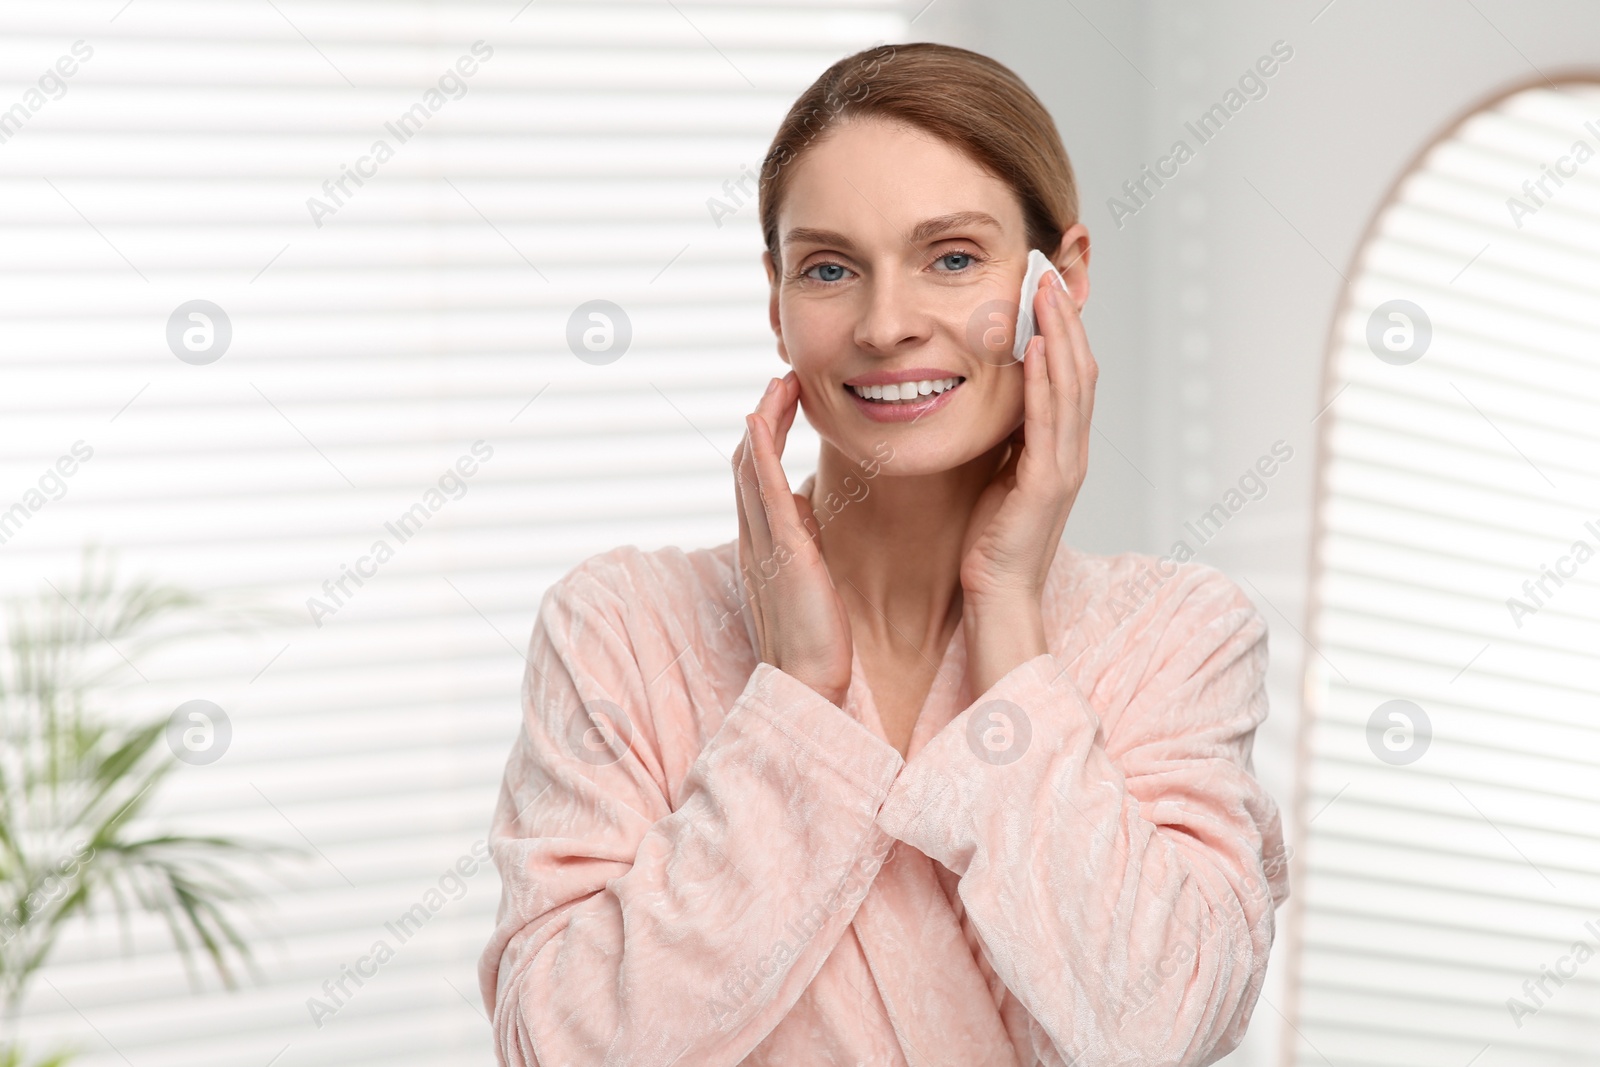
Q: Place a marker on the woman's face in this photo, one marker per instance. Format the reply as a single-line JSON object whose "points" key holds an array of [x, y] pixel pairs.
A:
{"points": [[901, 259]]}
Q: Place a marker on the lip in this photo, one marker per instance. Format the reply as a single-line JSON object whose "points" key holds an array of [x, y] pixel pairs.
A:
{"points": [[895, 377], [878, 412]]}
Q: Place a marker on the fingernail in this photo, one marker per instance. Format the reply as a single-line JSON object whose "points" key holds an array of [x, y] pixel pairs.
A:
{"points": [[771, 386], [1054, 296]]}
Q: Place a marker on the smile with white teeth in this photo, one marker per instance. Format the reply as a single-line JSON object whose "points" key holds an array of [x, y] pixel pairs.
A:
{"points": [[904, 392]]}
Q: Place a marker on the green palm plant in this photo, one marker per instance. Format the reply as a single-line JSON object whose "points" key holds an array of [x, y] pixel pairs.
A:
{"points": [[11, 1056], [75, 783]]}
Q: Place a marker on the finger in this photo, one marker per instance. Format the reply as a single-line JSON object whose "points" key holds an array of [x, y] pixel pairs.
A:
{"points": [[777, 408], [1075, 401], [747, 554], [1088, 366], [782, 516], [749, 558], [1059, 342], [738, 509], [741, 505], [754, 511], [738, 482], [764, 408], [743, 473], [1073, 444], [747, 469], [1007, 472], [1086, 370], [808, 517], [774, 400], [788, 401], [1038, 401], [1036, 407], [751, 504]]}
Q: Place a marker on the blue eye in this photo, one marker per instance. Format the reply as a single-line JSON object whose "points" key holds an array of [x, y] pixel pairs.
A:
{"points": [[965, 259], [832, 272]]}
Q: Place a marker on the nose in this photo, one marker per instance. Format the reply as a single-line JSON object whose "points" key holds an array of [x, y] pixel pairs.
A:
{"points": [[892, 320]]}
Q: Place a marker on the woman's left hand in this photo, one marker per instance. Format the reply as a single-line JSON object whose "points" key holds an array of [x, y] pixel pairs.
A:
{"points": [[1017, 523]]}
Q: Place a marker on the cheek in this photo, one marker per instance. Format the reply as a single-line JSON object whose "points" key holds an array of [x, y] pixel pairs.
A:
{"points": [[809, 405], [815, 333], [818, 341]]}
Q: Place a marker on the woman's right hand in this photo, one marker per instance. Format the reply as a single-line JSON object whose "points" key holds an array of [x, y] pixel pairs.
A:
{"points": [[801, 622]]}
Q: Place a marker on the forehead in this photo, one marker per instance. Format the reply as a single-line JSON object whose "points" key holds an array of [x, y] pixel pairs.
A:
{"points": [[877, 180]]}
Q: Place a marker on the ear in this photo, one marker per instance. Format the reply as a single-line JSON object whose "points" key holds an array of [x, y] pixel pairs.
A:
{"points": [[772, 304], [1072, 260]]}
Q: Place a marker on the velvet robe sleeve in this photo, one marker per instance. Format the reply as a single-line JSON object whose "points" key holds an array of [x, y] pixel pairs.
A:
{"points": [[1122, 885], [642, 923]]}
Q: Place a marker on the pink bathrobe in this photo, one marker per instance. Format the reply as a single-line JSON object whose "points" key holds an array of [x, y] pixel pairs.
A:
{"points": [[705, 863]]}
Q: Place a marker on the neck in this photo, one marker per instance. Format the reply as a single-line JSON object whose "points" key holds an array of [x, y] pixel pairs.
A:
{"points": [[894, 545]]}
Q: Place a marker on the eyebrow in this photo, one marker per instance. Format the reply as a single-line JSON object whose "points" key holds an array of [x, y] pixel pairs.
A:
{"points": [[922, 231]]}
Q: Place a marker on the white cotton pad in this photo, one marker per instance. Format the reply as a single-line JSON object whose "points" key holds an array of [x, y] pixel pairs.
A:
{"points": [[1038, 265]]}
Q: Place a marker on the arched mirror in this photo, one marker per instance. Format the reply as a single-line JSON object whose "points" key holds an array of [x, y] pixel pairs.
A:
{"points": [[1447, 906]]}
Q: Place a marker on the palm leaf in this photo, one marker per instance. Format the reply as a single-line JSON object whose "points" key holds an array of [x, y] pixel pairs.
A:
{"points": [[75, 778]]}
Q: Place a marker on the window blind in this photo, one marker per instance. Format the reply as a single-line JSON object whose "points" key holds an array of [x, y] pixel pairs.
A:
{"points": [[1448, 901], [302, 280]]}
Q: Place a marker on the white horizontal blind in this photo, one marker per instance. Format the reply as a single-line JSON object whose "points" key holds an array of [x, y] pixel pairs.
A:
{"points": [[428, 311], [1454, 859]]}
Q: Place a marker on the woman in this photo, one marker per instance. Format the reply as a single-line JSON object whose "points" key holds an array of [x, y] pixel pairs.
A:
{"points": [[896, 777]]}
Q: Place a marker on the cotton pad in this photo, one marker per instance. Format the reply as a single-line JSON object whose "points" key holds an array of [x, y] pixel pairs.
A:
{"points": [[1038, 265]]}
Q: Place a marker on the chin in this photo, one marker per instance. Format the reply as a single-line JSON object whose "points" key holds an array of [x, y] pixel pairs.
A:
{"points": [[917, 451]]}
